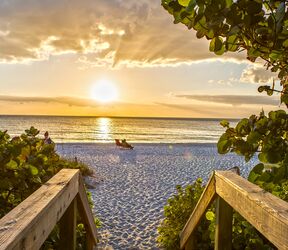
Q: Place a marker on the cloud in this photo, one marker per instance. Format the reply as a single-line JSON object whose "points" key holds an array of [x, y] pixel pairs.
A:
{"points": [[235, 100], [103, 32], [76, 106], [71, 101], [257, 74], [205, 110], [230, 81]]}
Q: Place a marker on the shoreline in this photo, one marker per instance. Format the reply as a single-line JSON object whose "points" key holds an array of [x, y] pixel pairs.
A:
{"points": [[140, 143]]}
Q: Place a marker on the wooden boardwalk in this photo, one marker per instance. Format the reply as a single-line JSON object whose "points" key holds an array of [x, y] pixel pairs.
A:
{"points": [[60, 199]]}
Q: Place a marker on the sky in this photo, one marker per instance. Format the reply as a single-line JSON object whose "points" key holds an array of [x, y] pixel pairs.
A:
{"points": [[54, 54]]}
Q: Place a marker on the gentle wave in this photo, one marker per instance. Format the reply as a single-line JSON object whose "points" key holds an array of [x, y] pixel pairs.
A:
{"points": [[105, 130]]}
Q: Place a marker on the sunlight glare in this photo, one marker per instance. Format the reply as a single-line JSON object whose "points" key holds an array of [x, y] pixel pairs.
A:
{"points": [[104, 91], [103, 127]]}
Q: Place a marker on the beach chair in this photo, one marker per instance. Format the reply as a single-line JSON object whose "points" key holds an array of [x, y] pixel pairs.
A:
{"points": [[118, 143], [123, 144]]}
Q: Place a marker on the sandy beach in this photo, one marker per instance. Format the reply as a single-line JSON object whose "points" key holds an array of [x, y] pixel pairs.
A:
{"points": [[132, 186]]}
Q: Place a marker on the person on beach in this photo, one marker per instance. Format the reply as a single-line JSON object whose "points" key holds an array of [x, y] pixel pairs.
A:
{"points": [[47, 139], [125, 144]]}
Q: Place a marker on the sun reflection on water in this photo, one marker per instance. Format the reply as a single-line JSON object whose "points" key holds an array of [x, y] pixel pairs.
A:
{"points": [[103, 125]]}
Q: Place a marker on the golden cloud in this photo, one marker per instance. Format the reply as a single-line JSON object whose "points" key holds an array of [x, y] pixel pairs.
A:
{"points": [[102, 32]]}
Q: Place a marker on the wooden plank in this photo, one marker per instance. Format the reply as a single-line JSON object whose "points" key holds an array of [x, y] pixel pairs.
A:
{"points": [[68, 224], [28, 225], [85, 212], [205, 200], [191, 243], [267, 213], [223, 231], [89, 241]]}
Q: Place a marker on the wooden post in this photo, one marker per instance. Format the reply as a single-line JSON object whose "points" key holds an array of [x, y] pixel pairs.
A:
{"points": [[68, 227], [86, 215], [191, 243], [204, 202], [89, 241], [223, 233]]}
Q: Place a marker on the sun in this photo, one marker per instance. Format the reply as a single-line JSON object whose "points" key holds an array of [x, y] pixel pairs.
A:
{"points": [[104, 91]]}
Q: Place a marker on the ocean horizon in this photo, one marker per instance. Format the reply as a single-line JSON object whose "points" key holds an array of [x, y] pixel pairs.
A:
{"points": [[89, 129]]}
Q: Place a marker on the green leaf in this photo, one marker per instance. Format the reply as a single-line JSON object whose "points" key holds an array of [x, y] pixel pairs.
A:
{"points": [[232, 43], [221, 51], [218, 44], [33, 170], [266, 176], [258, 169], [210, 215], [284, 98], [184, 3], [223, 144], [263, 157], [13, 165], [254, 137], [224, 123], [243, 127], [200, 34], [191, 6], [229, 3], [253, 177], [285, 43]]}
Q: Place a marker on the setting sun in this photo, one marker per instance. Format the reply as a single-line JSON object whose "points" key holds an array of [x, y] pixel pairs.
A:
{"points": [[104, 91]]}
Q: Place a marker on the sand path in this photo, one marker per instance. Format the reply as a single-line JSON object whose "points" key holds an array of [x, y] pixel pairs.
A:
{"points": [[132, 186]]}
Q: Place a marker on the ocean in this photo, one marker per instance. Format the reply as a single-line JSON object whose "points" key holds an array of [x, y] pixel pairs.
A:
{"points": [[63, 129]]}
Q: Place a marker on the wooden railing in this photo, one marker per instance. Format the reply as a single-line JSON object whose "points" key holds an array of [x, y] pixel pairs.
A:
{"points": [[29, 224], [267, 213]]}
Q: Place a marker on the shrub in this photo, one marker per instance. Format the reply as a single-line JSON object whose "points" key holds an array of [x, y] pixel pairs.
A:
{"points": [[177, 212], [26, 162]]}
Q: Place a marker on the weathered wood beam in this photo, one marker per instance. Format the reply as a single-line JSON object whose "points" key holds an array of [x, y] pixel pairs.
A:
{"points": [[223, 231], [29, 224], [204, 202], [68, 224], [267, 213], [85, 213]]}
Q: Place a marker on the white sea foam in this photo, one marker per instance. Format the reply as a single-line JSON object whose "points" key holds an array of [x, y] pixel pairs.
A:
{"points": [[132, 186]]}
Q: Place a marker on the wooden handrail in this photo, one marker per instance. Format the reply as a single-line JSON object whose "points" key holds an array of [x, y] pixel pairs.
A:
{"points": [[29, 224], [204, 202], [266, 212]]}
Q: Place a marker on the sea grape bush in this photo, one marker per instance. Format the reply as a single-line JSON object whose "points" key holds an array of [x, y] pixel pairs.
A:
{"points": [[179, 208], [26, 162], [266, 136], [259, 27], [176, 212]]}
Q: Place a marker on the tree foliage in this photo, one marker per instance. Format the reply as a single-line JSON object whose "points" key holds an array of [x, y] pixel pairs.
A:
{"points": [[260, 27], [266, 136]]}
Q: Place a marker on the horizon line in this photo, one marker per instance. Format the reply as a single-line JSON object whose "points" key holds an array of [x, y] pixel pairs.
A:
{"points": [[126, 117]]}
